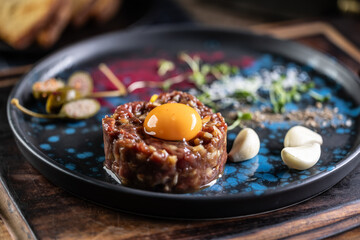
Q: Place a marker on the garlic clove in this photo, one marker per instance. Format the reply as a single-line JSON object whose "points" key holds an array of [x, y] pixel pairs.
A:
{"points": [[246, 146], [299, 136], [302, 157]]}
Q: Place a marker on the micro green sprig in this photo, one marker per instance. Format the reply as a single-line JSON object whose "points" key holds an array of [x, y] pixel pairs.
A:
{"points": [[165, 66], [223, 69], [201, 71], [241, 116], [245, 96], [198, 74], [318, 97], [279, 96]]}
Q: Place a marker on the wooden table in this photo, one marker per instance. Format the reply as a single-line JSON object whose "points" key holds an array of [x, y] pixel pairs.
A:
{"points": [[33, 208]]}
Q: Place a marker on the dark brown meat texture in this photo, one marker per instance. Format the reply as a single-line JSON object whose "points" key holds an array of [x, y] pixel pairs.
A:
{"points": [[142, 161]]}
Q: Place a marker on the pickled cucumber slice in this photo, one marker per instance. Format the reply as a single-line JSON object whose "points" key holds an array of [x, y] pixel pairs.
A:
{"points": [[80, 109], [82, 82], [77, 109]]}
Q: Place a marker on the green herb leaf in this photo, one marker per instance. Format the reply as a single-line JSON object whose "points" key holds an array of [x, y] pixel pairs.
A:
{"points": [[244, 96], [198, 78], [279, 96], [201, 71], [165, 66], [205, 69], [318, 97], [240, 117], [305, 87], [198, 75], [244, 116]]}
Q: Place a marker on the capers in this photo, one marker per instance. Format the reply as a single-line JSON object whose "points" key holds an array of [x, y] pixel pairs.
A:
{"points": [[77, 109], [74, 100], [42, 89], [56, 93], [58, 98]]}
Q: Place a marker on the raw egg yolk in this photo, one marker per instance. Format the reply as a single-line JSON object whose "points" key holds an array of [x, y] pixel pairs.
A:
{"points": [[173, 121]]}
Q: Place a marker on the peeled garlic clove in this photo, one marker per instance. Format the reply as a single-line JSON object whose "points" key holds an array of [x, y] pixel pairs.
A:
{"points": [[299, 136], [246, 146], [302, 157]]}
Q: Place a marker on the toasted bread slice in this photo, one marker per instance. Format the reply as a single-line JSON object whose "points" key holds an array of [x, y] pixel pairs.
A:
{"points": [[52, 31], [21, 20], [81, 11], [104, 10]]}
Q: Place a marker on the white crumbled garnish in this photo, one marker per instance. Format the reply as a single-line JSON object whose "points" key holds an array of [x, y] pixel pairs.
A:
{"points": [[228, 86], [222, 89]]}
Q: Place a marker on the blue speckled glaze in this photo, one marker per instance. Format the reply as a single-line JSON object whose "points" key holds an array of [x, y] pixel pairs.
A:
{"points": [[78, 145]]}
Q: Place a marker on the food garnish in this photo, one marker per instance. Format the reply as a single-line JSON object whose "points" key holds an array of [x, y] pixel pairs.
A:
{"points": [[61, 98], [80, 109], [165, 66], [240, 117], [302, 148], [222, 86], [153, 98], [299, 136], [111, 76], [82, 82], [164, 85], [201, 72], [279, 96], [41, 90], [246, 146], [302, 157], [76, 110], [198, 72], [318, 97]]}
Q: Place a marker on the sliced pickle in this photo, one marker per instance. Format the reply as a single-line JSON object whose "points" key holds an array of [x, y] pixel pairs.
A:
{"points": [[80, 109], [57, 99], [82, 82], [42, 89]]}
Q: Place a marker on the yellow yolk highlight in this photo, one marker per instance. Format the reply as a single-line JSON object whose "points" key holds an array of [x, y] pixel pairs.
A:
{"points": [[173, 121]]}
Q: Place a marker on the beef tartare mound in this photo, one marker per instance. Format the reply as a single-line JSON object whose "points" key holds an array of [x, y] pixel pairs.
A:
{"points": [[143, 160]]}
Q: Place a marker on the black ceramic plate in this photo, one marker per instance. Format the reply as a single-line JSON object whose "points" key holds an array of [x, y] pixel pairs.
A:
{"points": [[70, 153]]}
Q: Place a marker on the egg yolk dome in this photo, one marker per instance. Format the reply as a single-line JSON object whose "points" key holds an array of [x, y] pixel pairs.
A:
{"points": [[173, 121]]}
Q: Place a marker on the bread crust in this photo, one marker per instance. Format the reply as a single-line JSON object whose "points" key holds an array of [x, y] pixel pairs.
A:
{"points": [[24, 20], [104, 10], [52, 31], [81, 12]]}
